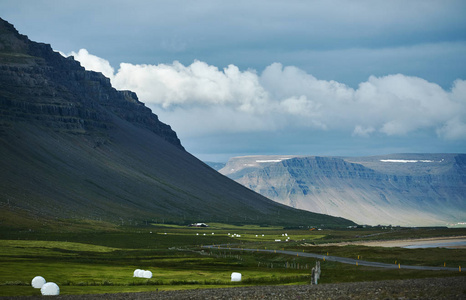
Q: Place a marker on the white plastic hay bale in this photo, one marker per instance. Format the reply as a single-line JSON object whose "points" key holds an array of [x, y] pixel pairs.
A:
{"points": [[147, 274], [50, 289], [140, 273], [37, 282], [136, 272], [235, 276]]}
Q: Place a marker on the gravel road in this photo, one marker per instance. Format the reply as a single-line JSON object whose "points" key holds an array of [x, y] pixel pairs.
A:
{"points": [[431, 288], [345, 260]]}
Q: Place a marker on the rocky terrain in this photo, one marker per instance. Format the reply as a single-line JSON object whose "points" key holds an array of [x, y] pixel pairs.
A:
{"points": [[40, 86], [431, 288], [74, 148], [397, 189]]}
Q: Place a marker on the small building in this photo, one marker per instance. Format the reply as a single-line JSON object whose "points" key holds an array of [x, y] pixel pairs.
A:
{"points": [[198, 225]]}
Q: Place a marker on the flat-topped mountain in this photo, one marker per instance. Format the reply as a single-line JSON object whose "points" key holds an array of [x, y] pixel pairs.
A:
{"points": [[74, 148], [398, 189]]}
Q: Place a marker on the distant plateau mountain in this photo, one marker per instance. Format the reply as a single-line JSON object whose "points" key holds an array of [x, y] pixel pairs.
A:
{"points": [[397, 189]]}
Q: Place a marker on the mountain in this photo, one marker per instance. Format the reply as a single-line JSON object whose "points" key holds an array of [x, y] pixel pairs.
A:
{"points": [[215, 165], [397, 189], [73, 148]]}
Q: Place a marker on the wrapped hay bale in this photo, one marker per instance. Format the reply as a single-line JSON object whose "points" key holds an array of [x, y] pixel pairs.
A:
{"points": [[50, 289], [37, 282], [136, 272], [147, 274], [235, 276]]}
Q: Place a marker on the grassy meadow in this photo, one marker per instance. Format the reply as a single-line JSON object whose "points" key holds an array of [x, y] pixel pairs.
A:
{"points": [[103, 260]]}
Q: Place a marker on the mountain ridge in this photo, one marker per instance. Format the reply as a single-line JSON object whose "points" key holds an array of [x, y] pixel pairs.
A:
{"points": [[402, 189], [74, 148], [41, 72]]}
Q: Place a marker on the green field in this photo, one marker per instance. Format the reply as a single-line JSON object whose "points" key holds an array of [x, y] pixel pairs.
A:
{"points": [[103, 261]]}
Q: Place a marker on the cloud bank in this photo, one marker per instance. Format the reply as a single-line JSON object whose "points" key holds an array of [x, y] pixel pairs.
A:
{"points": [[199, 99]]}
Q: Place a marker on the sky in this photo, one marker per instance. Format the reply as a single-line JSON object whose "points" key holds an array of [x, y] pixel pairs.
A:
{"points": [[232, 78]]}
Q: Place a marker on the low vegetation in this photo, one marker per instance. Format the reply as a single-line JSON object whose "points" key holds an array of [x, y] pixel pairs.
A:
{"points": [[103, 261]]}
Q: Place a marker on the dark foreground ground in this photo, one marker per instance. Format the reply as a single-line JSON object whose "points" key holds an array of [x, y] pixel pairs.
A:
{"points": [[432, 288]]}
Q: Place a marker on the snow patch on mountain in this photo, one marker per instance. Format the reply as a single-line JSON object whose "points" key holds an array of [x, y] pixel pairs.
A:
{"points": [[406, 160]]}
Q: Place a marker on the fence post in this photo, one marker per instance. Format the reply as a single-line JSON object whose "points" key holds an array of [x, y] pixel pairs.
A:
{"points": [[315, 273]]}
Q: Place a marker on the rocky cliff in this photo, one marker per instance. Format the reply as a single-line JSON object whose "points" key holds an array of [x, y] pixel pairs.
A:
{"points": [[74, 148], [398, 189], [39, 85]]}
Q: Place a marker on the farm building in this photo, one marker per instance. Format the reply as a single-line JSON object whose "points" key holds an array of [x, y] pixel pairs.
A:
{"points": [[199, 225]]}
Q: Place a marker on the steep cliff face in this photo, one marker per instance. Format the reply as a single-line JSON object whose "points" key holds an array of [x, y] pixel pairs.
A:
{"points": [[74, 148], [39, 85], [402, 189]]}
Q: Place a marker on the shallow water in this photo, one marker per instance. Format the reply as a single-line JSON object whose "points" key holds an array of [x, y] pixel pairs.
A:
{"points": [[442, 244]]}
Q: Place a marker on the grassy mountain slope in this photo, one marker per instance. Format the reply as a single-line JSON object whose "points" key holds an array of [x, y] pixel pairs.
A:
{"points": [[74, 148]]}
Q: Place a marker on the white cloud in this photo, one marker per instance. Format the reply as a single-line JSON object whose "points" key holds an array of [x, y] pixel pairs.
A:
{"points": [[93, 63], [196, 84], [200, 98], [458, 91], [404, 104], [360, 130], [453, 129]]}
